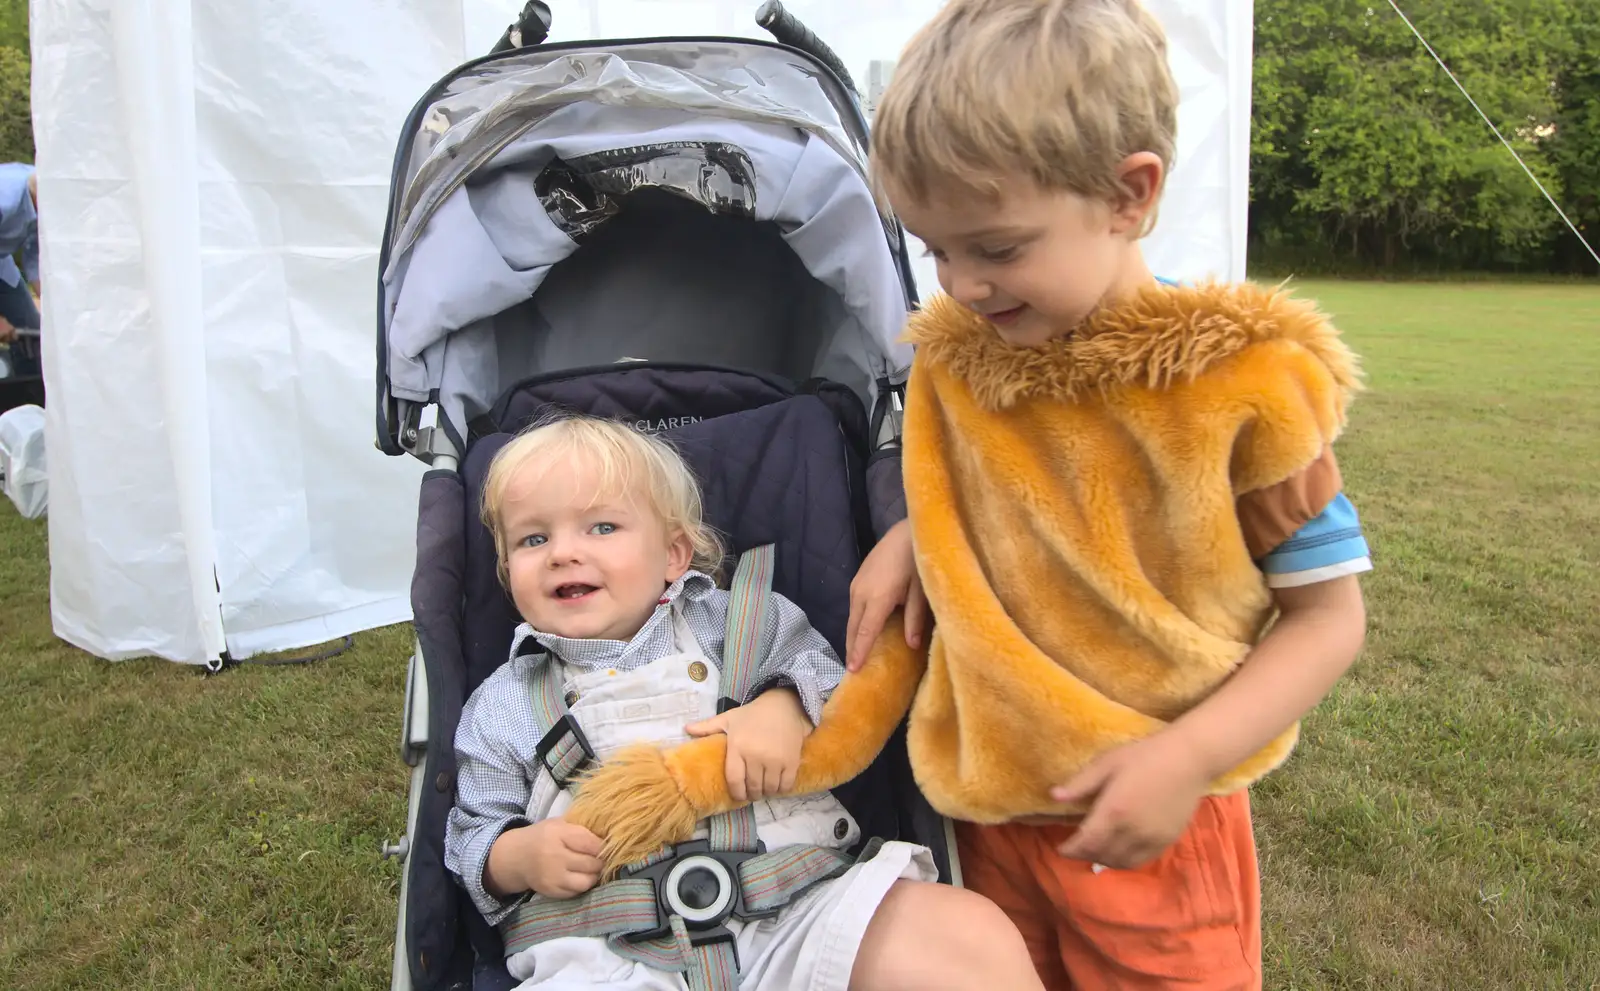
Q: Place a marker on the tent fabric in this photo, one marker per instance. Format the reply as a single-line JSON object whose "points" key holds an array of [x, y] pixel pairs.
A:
{"points": [[212, 186], [213, 183]]}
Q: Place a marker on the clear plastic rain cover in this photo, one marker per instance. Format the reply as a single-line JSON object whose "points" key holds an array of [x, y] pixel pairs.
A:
{"points": [[645, 165]]}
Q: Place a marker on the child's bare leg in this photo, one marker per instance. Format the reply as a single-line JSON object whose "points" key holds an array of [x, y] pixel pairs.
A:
{"points": [[932, 937]]}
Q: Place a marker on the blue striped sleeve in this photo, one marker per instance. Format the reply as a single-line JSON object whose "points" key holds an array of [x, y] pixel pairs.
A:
{"points": [[1330, 546]]}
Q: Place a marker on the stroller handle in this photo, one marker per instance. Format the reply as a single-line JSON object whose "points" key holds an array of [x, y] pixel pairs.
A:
{"points": [[530, 29], [788, 30]]}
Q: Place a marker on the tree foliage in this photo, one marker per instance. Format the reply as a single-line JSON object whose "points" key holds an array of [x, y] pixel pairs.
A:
{"points": [[16, 119], [16, 116], [1575, 146], [1363, 148]]}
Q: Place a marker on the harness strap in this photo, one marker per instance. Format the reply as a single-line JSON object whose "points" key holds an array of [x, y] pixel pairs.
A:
{"points": [[712, 966], [749, 598], [708, 967], [734, 830], [773, 880], [621, 908], [563, 750]]}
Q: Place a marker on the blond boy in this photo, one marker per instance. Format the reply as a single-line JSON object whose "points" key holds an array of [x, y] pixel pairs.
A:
{"points": [[1124, 504]]}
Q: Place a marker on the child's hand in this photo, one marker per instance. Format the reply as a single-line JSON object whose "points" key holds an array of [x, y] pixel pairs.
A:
{"points": [[886, 579], [1142, 797], [555, 858], [764, 740]]}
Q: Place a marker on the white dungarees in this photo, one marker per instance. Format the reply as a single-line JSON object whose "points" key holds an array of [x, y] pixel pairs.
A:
{"points": [[813, 942]]}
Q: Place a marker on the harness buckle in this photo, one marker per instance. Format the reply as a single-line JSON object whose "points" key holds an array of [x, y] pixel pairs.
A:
{"points": [[564, 727], [700, 886]]}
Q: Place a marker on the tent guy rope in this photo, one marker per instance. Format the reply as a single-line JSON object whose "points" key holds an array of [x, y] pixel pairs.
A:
{"points": [[1563, 214]]}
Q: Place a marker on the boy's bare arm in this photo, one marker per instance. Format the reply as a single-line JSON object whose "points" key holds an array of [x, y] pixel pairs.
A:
{"points": [[1319, 632], [1143, 795]]}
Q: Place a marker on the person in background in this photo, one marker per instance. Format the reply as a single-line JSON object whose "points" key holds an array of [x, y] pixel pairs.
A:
{"points": [[19, 232]]}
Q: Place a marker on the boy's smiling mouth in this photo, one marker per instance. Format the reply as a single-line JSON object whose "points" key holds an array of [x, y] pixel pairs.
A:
{"points": [[1005, 316], [574, 591]]}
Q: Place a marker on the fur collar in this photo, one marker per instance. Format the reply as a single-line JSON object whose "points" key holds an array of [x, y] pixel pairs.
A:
{"points": [[1161, 335]]}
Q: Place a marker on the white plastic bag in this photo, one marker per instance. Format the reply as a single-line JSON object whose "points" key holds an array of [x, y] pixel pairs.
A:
{"points": [[22, 460]]}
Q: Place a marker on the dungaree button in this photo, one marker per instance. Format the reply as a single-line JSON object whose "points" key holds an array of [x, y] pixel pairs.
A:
{"points": [[697, 671], [571, 699], [841, 829]]}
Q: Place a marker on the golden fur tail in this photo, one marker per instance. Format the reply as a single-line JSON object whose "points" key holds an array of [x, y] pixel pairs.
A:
{"points": [[643, 797]]}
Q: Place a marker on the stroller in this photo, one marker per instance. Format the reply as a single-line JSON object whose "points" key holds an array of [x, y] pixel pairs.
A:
{"points": [[675, 232], [21, 379]]}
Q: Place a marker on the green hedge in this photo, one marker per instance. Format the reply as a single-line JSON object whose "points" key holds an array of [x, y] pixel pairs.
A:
{"points": [[16, 118]]}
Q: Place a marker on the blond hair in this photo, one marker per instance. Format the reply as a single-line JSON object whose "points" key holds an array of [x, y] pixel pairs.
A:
{"points": [[628, 461], [1060, 91]]}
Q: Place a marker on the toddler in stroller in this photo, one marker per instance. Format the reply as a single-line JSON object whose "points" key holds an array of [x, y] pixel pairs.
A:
{"points": [[676, 234], [627, 639]]}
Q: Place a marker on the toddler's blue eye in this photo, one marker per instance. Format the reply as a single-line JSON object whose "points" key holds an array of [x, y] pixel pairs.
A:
{"points": [[603, 529], [533, 540]]}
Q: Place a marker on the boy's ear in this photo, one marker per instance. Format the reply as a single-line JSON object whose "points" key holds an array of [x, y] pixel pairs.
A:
{"points": [[1141, 176], [680, 554]]}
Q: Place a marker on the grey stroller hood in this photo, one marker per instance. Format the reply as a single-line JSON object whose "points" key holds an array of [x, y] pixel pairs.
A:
{"points": [[748, 238]]}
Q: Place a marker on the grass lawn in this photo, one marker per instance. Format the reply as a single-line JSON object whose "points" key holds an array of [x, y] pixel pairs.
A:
{"points": [[167, 830], [1437, 828]]}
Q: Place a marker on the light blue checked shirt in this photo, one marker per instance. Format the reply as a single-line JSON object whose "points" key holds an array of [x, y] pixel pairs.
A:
{"points": [[19, 225], [498, 736]]}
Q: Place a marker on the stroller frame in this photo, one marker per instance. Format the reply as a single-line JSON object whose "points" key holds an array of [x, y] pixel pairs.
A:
{"points": [[423, 431]]}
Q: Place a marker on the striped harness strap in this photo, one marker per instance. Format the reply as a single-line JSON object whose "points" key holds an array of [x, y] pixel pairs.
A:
{"points": [[631, 911], [669, 911]]}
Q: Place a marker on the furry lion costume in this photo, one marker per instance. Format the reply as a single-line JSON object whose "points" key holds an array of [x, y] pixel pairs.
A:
{"points": [[1074, 510]]}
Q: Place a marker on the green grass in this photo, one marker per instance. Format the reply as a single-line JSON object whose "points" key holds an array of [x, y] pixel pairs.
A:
{"points": [[1436, 829], [163, 829], [1438, 826]]}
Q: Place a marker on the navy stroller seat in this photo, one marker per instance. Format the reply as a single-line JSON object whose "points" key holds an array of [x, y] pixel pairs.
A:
{"points": [[673, 232], [774, 468]]}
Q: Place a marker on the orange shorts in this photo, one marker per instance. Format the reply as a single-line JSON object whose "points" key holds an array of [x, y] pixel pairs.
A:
{"points": [[1189, 919]]}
